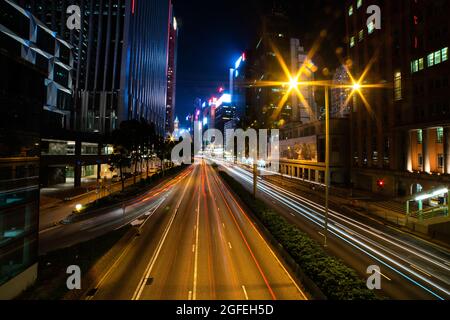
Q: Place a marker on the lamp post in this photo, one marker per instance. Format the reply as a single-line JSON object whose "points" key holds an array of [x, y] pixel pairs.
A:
{"points": [[356, 87], [327, 160], [255, 179]]}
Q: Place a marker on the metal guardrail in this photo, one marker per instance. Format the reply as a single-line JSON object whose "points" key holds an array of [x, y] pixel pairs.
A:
{"points": [[430, 213]]}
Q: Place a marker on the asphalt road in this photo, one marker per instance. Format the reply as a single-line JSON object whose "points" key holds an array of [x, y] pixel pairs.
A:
{"points": [[411, 268], [107, 219], [198, 244]]}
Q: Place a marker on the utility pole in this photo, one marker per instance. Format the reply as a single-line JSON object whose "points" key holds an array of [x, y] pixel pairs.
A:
{"points": [[255, 179], [327, 160]]}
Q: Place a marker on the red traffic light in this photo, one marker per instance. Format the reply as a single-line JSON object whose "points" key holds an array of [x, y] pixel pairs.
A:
{"points": [[380, 183]]}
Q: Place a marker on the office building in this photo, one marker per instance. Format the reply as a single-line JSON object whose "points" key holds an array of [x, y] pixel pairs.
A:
{"points": [[171, 74], [120, 72], [35, 66], [401, 137], [302, 151], [266, 106]]}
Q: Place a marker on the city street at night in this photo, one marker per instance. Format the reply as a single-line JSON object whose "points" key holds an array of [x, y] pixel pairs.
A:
{"points": [[199, 244], [240, 159]]}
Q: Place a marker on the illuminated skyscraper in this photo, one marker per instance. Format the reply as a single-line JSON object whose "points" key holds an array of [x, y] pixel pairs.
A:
{"points": [[171, 73]]}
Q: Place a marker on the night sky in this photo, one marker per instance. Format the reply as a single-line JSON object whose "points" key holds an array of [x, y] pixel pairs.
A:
{"points": [[213, 34]]}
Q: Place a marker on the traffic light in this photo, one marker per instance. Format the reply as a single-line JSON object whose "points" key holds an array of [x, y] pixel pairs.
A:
{"points": [[381, 184]]}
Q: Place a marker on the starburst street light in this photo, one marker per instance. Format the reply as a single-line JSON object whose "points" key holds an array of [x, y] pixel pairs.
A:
{"points": [[356, 86], [293, 83]]}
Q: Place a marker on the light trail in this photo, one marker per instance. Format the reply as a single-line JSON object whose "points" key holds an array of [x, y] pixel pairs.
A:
{"points": [[355, 239]]}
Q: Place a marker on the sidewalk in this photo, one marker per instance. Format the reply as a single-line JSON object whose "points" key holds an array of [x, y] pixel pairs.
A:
{"points": [[57, 204]]}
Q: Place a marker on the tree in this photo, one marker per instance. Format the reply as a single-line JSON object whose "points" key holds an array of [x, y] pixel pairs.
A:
{"points": [[119, 160], [163, 150], [148, 131], [123, 142]]}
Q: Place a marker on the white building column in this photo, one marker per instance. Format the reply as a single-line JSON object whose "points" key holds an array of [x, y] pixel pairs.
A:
{"points": [[426, 151]]}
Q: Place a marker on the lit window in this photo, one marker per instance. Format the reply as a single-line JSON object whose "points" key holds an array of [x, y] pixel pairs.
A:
{"points": [[398, 86], [444, 54], [352, 42], [350, 11], [359, 3], [371, 27], [415, 66], [421, 65], [440, 135], [437, 57], [430, 60], [361, 35], [419, 136]]}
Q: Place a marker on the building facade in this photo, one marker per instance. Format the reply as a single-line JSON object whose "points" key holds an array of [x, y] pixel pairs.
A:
{"points": [[172, 74], [120, 60], [302, 151], [401, 136], [35, 66], [267, 105]]}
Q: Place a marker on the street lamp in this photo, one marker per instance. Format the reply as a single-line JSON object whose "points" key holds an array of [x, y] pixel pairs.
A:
{"points": [[356, 86], [327, 160]]}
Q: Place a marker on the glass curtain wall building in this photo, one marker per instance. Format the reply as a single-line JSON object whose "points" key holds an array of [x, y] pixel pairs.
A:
{"points": [[36, 67]]}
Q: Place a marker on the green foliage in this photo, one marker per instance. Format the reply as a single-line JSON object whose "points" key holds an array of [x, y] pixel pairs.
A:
{"points": [[336, 280]]}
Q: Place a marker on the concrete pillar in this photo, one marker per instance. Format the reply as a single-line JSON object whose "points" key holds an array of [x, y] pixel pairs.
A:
{"points": [[447, 150], [99, 165], [77, 165], [426, 151]]}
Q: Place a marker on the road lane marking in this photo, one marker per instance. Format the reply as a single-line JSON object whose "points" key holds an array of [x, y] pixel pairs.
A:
{"points": [[229, 244], [190, 295], [264, 241], [193, 248], [245, 292], [384, 276], [249, 249], [194, 293], [140, 288]]}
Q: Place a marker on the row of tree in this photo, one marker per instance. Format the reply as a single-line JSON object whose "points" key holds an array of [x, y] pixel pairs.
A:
{"points": [[135, 143]]}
